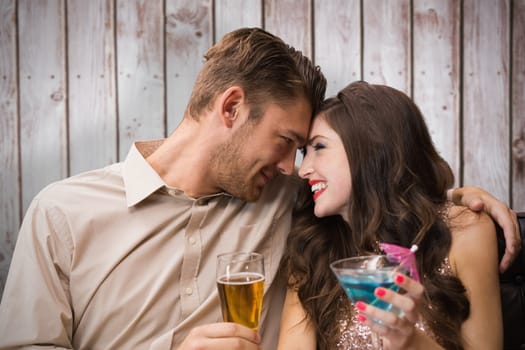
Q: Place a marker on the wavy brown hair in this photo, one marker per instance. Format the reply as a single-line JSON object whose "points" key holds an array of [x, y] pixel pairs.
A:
{"points": [[399, 183]]}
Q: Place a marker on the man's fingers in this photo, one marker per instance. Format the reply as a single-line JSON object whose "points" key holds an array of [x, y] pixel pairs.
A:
{"points": [[228, 343], [230, 329], [222, 335], [506, 261], [510, 227], [511, 252], [508, 221]]}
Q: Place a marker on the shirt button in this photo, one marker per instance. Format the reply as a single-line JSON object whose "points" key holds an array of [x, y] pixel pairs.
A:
{"points": [[192, 241], [189, 291]]}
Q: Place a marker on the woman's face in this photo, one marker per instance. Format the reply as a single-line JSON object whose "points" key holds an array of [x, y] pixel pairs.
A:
{"points": [[326, 167]]}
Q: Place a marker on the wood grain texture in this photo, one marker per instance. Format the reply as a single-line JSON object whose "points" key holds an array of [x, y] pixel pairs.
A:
{"points": [[43, 134], [91, 81], [386, 46], [234, 14], [292, 21], [337, 33], [518, 106], [9, 156], [436, 80], [486, 96], [188, 37], [140, 67]]}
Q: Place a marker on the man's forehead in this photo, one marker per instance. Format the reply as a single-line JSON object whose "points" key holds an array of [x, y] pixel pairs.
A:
{"points": [[301, 115]]}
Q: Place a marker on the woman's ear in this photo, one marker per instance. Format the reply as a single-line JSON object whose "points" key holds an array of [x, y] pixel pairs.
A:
{"points": [[229, 104]]}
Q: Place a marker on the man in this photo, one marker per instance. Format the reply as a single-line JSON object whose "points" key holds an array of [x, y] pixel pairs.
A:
{"points": [[124, 257]]}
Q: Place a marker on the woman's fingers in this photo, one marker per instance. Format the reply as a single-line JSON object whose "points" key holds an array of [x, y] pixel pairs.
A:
{"points": [[385, 323], [397, 325], [413, 288], [404, 306]]}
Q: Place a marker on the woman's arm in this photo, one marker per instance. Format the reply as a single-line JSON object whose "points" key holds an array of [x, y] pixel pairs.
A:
{"points": [[474, 258], [296, 331]]}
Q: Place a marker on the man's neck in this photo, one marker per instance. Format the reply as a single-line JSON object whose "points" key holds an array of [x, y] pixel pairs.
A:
{"points": [[182, 161]]}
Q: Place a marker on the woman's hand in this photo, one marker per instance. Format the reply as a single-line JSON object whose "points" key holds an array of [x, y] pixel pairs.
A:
{"points": [[398, 332]]}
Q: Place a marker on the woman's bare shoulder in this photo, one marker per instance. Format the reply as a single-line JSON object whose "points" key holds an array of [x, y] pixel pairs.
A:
{"points": [[462, 220], [473, 235]]}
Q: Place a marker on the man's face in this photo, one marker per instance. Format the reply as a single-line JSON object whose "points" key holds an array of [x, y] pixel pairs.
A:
{"points": [[258, 151]]}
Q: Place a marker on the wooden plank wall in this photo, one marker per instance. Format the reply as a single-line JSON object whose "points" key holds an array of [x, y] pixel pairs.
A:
{"points": [[80, 80]]}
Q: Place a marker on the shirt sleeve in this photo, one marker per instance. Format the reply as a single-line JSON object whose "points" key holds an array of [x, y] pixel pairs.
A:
{"points": [[35, 311]]}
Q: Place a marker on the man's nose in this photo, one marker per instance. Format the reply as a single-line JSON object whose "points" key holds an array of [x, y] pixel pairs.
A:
{"points": [[287, 165]]}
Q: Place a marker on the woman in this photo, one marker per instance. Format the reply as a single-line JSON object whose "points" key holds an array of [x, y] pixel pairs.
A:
{"points": [[375, 177]]}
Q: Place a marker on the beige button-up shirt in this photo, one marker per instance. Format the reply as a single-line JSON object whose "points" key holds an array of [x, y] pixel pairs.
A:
{"points": [[113, 259]]}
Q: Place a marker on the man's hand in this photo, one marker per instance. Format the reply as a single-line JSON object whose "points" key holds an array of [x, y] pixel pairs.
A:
{"points": [[478, 199], [223, 335]]}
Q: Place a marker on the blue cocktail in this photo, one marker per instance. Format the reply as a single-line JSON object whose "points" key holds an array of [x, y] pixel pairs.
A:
{"points": [[361, 275], [362, 288]]}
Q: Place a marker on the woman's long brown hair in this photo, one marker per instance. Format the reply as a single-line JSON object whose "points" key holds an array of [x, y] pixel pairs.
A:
{"points": [[399, 183]]}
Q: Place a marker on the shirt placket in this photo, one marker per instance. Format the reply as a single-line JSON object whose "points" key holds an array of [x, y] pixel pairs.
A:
{"points": [[192, 256]]}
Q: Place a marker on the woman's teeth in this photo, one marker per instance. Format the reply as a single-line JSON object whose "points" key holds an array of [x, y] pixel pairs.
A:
{"points": [[318, 186]]}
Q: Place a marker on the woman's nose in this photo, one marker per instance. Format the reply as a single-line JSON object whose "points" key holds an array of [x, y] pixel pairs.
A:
{"points": [[305, 169]]}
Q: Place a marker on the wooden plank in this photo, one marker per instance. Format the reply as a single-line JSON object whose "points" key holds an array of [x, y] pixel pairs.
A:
{"points": [[9, 158], [234, 14], [140, 67], [337, 42], [386, 31], [41, 29], [291, 20], [188, 37], [518, 106], [436, 71], [91, 80], [486, 96]]}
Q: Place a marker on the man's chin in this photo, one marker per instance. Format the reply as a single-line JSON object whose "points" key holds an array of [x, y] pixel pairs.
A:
{"points": [[248, 196], [253, 195]]}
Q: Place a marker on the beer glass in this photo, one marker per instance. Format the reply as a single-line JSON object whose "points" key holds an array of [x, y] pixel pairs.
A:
{"points": [[240, 281]]}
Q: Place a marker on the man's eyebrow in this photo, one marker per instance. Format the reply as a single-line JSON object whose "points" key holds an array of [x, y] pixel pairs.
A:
{"points": [[298, 138]]}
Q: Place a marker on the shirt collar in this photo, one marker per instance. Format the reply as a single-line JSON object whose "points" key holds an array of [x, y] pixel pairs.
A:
{"points": [[140, 179]]}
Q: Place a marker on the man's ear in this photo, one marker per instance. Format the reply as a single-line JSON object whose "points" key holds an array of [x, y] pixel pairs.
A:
{"points": [[229, 103]]}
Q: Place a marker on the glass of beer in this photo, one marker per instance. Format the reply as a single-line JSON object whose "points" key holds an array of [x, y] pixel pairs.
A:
{"points": [[240, 281]]}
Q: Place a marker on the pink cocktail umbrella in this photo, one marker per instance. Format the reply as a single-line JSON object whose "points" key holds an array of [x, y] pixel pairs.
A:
{"points": [[404, 256]]}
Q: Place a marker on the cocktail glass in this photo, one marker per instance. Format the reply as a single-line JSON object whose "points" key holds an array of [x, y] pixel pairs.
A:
{"points": [[360, 276]]}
